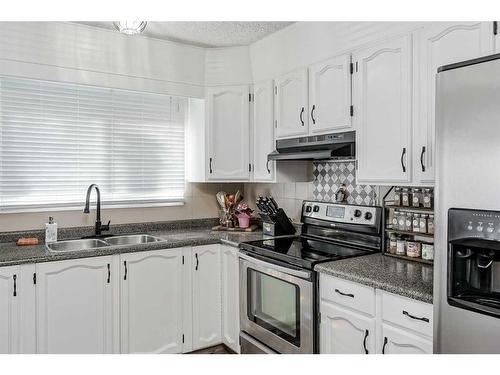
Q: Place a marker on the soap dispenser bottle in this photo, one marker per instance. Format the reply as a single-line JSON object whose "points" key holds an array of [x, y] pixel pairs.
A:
{"points": [[50, 231]]}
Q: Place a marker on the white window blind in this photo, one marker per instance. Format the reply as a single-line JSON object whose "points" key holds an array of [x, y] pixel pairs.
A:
{"points": [[58, 138]]}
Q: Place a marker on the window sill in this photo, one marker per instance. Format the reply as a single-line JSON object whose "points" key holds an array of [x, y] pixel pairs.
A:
{"points": [[104, 206]]}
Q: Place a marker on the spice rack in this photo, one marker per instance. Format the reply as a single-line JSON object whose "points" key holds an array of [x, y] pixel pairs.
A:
{"points": [[408, 236]]}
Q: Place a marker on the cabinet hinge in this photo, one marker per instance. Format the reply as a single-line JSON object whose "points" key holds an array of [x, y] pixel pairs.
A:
{"points": [[249, 97], [351, 65], [275, 90], [249, 167], [275, 123], [183, 259], [183, 338], [351, 110], [34, 278], [495, 27]]}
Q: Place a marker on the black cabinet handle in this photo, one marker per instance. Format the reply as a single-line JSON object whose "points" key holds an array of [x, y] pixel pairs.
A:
{"points": [[415, 317], [267, 166], [15, 285], [197, 261], [126, 270], [109, 273], [364, 341], [301, 113], [385, 343], [312, 113], [402, 159], [210, 166], [422, 159], [344, 294]]}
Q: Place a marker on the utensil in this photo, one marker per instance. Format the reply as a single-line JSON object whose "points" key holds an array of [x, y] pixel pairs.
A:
{"points": [[220, 198]]}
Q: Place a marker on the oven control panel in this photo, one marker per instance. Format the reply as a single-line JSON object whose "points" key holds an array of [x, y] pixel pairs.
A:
{"points": [[464, 223], [341, 213]]}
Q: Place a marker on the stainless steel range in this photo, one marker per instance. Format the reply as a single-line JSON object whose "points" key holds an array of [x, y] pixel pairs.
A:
{"points": [[278, 284]]}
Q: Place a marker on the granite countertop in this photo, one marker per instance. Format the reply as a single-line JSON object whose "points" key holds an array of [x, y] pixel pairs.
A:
{"points": [[11, 254], [403, 277]]}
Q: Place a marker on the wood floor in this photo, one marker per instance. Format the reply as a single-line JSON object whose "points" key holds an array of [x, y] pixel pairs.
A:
{"points": [[218, 349]]}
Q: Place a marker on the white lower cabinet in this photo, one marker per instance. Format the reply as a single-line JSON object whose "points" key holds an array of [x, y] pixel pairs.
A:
{"points": [[207, 296], [77, 306], [399, 341], [9, 310], [345, 332], [151, 301], [230, 297], [399, 325]]}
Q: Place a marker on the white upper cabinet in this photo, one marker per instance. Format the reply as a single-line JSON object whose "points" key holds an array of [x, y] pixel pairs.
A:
{"points": [[76, 307], [291, 104], [263, 131], [152, 301], [382, 91], [437, 45], [330, 95], [207, 298], [9, 310], [228, 133]]}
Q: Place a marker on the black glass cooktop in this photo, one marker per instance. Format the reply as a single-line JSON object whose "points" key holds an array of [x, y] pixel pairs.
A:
{"points": [[302, 251]]}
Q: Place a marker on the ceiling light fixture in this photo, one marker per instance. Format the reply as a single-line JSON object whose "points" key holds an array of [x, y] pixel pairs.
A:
{"points": [[130, 27]]}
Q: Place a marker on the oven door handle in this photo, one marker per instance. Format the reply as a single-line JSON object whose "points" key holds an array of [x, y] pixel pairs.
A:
{"points": [[275, 267]]}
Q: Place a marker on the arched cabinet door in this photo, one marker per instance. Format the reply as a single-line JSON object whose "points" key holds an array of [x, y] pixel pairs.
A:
{"points": [[436, 45], [345, 332], [398, 341], [9, 310]]}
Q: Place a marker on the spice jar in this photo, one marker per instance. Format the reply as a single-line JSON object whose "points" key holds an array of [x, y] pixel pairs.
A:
{"points": [[405, 197], [408, 222], [395, 217], [427, 251], [423, 223], [430, 224], [400, 247], [428, 198], [401, 221], [416, 223], [413, 249], [393, 243], [397, 196], [416, 197]]}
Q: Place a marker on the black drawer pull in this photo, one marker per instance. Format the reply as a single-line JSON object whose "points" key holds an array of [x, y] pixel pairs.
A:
{"points": [[364, 341], [312, 114], [126, 270], [422, 159], [210, 166], [301, 113], [415, 317], [109, 273], [344, 294], [402, 160], [15, 285], [197, 261]]}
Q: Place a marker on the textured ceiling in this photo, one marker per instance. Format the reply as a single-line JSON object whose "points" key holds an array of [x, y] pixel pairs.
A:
{"points": [[206, 34]]}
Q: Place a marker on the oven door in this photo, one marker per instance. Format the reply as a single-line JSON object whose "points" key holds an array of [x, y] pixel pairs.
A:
{"points": [[277, 305]]}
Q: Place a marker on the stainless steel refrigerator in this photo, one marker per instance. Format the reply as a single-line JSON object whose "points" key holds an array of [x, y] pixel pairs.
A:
{"points": [[467, 178]]}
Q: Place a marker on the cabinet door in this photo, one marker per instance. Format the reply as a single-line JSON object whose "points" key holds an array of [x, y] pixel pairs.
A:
{"points": [[398, 341], [291, 104], [228, 133], [75, 306], [382, 112], [206, 296], [9, 310], [437, 45], [230, 297], [345, 332], [330, 95], [151, 302], [263, 131]]}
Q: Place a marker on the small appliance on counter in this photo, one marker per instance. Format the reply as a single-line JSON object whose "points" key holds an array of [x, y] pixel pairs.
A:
{"points": [[275, 222], [279, 302]]}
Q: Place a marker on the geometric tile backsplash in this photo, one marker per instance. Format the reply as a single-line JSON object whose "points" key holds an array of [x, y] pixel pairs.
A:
{"points": [[329, 176]]}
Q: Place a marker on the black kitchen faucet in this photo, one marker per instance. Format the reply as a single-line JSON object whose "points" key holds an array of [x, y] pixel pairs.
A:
{"points": [[98, 226]]}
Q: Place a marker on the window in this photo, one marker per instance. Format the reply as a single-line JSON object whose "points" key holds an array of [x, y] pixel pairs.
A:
{"points": [[58, 138]]}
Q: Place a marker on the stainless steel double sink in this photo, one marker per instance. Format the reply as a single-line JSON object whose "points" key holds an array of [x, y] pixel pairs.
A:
{"points": [[95, 243]]}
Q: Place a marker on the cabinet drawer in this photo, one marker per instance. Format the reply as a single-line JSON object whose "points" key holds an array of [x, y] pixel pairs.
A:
{"points": [[408, 313], [353, 295]]}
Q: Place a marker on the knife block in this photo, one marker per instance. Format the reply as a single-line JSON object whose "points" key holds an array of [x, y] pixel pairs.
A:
{"points": [[277, 225]]}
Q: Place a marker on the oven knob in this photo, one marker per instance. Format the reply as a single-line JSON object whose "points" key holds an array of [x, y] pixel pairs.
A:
{"points": [[368, 215], [308, 208], [469, 227], [316, 208], [490, 228], [479, 228], [357, 213]]}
